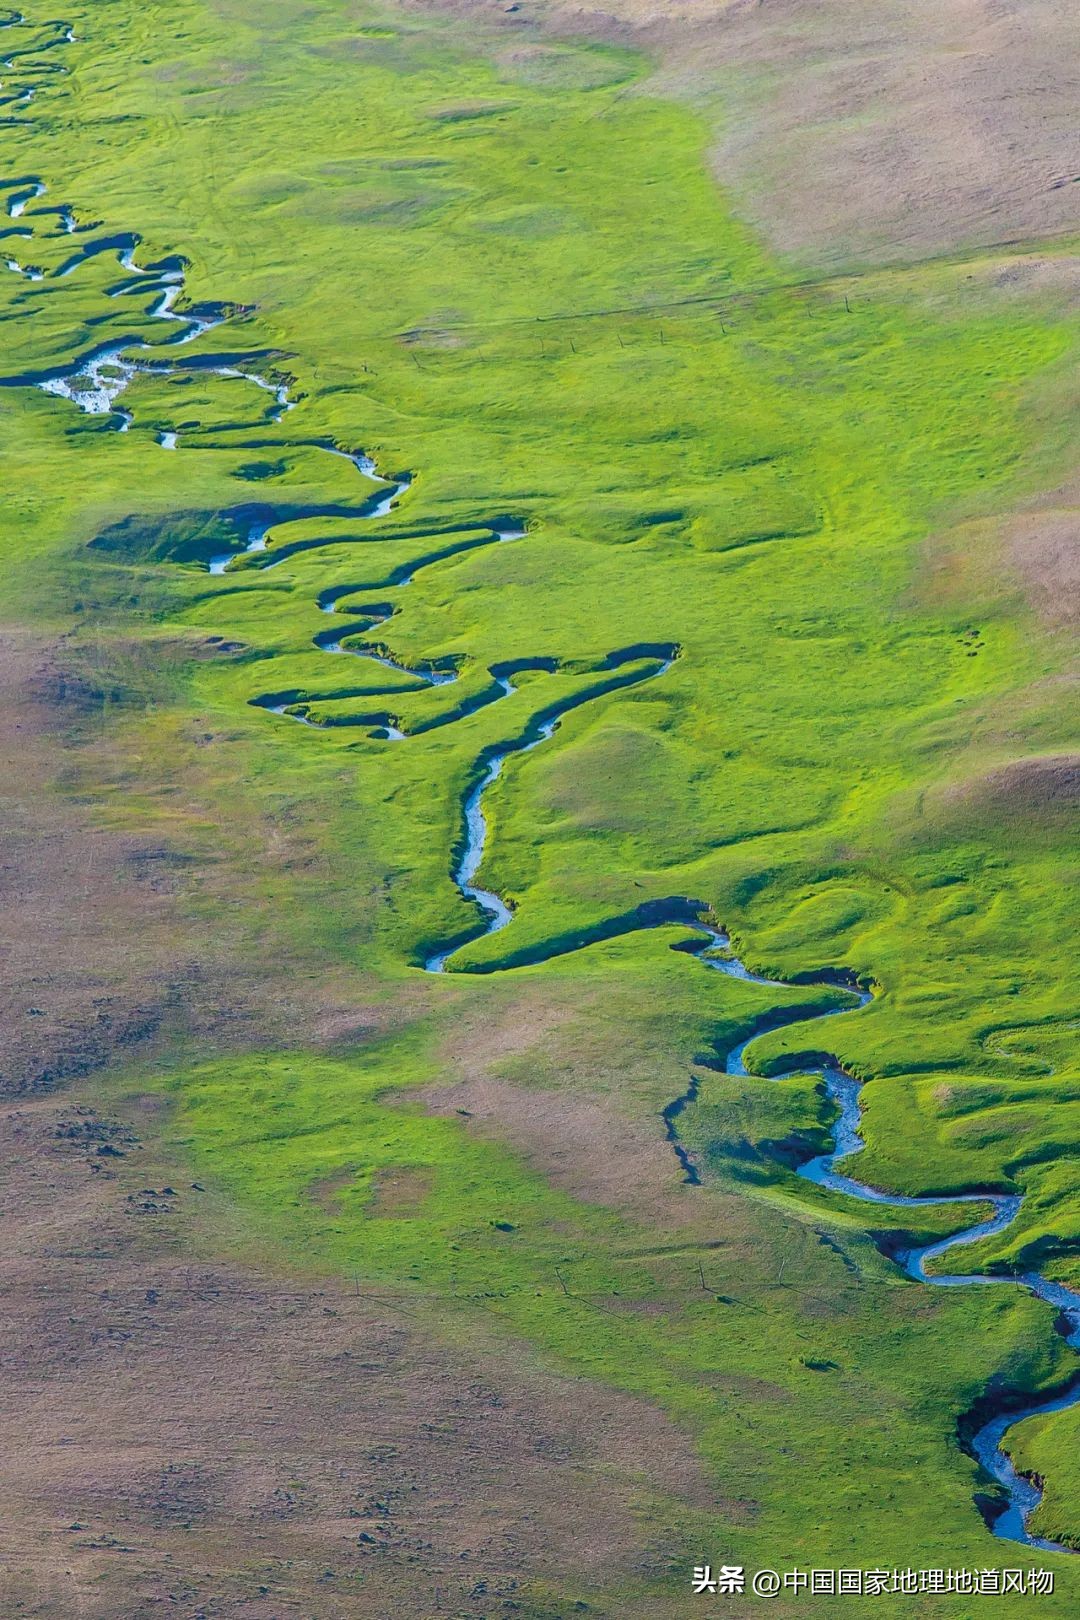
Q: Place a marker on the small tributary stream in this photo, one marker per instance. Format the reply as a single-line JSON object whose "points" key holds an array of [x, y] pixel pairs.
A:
{"points": [[95, 381]]}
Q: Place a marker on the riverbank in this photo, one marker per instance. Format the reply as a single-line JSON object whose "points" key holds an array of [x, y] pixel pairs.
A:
{"points": [[709, 453]]}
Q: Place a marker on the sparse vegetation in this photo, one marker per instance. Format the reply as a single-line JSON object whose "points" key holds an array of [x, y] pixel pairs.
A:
{"points": [[519, 283]]}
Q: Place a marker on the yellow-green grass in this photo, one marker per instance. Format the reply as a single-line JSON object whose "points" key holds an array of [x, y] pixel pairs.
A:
{"points": [[531, 296]]}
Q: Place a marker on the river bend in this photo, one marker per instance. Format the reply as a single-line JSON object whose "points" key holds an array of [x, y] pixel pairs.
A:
{"points": [[95, 381]]}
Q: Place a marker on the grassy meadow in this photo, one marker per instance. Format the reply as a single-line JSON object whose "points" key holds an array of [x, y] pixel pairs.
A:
{"points": [[501, 266]]}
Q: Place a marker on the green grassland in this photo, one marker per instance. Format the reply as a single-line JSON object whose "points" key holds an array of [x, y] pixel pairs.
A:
{"points": [[517, 282]]}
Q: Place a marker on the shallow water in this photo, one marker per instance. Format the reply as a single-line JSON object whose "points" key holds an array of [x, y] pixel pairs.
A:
{"points": [[96, 382], [1022, 1494]]}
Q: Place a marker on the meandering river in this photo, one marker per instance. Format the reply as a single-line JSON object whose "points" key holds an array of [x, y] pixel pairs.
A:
{"points": [[95, 381]]}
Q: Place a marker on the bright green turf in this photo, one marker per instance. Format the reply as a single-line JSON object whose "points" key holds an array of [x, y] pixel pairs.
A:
{"points": [[492, 281]]}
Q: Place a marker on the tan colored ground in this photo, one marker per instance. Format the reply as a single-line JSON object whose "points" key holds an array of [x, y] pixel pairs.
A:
{"points": [[881, 131], [189, 1438], [103, 955], [1042, 549], [1030, 553], [568, 1139], [179, 1434], [154, 1456], [74, 993], [1033, 791]]}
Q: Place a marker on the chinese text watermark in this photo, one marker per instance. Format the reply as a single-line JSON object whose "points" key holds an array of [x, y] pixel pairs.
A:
{"points": [[731, 1580]]}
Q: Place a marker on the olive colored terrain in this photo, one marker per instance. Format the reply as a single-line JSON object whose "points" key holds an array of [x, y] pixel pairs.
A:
{"points": [[429, 1201]]}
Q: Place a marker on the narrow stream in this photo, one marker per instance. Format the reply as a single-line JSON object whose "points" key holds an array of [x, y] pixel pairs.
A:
{"points": [[95, 382], [987, 1445]]}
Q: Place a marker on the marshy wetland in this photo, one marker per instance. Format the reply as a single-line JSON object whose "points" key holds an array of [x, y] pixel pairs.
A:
{"points": [[647, 603]]}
